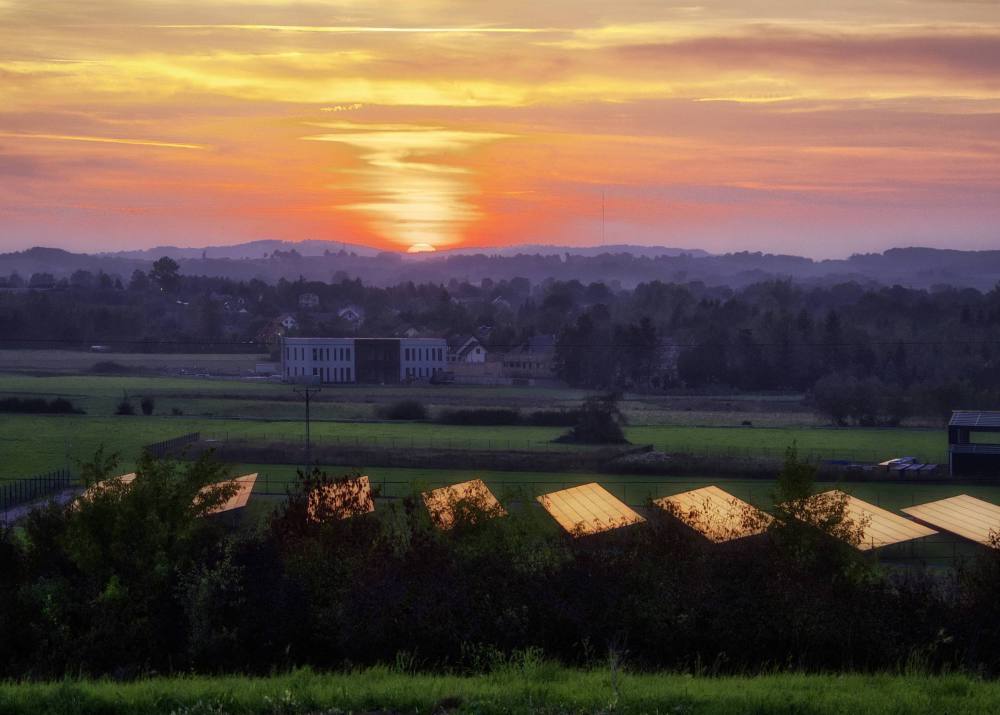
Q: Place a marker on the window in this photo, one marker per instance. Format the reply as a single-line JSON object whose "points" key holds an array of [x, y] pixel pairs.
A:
{"points": [[348, 351], [348, 374], [286, 353]]}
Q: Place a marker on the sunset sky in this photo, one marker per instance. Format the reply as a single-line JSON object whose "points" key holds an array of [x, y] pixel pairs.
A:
{"points": [[816, 128]]}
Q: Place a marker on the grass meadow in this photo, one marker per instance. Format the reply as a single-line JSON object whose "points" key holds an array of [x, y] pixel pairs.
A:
{"points": [[30, 444], [534, 687]]}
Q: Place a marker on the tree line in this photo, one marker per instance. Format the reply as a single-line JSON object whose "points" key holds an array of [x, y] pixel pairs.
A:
{"points": [[865, 354]]}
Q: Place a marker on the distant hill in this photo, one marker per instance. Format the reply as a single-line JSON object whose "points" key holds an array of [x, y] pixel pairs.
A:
{"points": [[622, 265], [252, 249], [533, 249]]}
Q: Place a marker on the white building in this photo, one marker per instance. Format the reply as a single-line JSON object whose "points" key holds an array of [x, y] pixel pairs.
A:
{"points": [[466, 349], [364, 360], [422, 358]]}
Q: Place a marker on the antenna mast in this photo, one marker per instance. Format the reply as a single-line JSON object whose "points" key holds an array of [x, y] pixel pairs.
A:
{"points": [[602, 217]]}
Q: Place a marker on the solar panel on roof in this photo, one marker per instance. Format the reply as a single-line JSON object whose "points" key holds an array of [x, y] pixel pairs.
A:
{"points": [[341, 499], [716, 514], [244, 487], [878, 527], [974, 418], [966, 516], [588, 509], [444, 504]]}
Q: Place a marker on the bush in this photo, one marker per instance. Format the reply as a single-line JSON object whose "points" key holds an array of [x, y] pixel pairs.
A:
{"points": [[404, 410], [110, 367], [147, 404], [480, 417], [600, 422], [176, 411], [58, 406], [125, 408], [553, 418]]}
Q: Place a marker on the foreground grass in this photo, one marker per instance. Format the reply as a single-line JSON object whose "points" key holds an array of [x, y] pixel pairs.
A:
{"points": [[539, 689]]}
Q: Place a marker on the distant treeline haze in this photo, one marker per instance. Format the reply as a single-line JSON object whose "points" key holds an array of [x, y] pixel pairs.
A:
{"points": [[868, 355]]}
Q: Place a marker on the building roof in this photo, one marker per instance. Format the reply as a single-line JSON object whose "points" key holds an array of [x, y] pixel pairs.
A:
{"points": [[971, 518], [975, 418], [880, 527], [588, 509], [541, 343], [341, 499], [444, 503], [715, 514]]}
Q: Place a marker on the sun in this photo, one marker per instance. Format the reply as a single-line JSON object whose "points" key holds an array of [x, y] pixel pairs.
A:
{"points": [[420, 248]]}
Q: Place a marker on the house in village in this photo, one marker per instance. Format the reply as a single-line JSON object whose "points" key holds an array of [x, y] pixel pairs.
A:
{"points": [[466, 349], [533, 360], [353, 315], [308, 301]]}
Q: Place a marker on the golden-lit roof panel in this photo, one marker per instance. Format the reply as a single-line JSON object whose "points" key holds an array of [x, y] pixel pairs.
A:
{"points": [[879, 527], [716, 514], [244, 488], [966, 516], [341, 499], [588, 509], [445, 503], [94, 489]]}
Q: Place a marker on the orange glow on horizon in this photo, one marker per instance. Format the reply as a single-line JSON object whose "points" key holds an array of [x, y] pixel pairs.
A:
{"points": [[405, 124]]}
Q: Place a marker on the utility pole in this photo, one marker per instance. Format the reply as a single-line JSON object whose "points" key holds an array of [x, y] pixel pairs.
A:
{"points": [[307, 393]]}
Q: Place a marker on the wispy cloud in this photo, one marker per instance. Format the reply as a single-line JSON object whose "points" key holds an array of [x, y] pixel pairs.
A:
{"points": [[101, 140]]}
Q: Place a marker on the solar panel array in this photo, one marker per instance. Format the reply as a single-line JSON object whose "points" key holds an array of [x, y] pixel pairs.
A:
{"points": [[591, 509], [94, 489], [879, 527], [444, 503], [341, 499], [716, 514], [974, 418], [966, 516], [588, 509], [244, 487]]}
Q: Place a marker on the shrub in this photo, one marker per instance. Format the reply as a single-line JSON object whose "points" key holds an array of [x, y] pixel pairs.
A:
{"points": [[110, 367], [480, 417], [59, 405], [553, 418], [404, 410], [147, 404], [176, 411], [600, 422], [125, 407]]}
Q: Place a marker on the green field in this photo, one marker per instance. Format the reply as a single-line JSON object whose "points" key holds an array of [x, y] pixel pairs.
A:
{"points": [[36, 443], [257, 410], [533, 687]]}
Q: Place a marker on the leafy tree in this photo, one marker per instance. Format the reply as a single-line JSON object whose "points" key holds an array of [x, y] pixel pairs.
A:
{"points": [[166, 274], [139, 282], [600, 421], [813, 530]]}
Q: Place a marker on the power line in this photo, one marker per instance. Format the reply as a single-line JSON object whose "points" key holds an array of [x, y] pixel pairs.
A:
{"points": [[612, 344]]}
